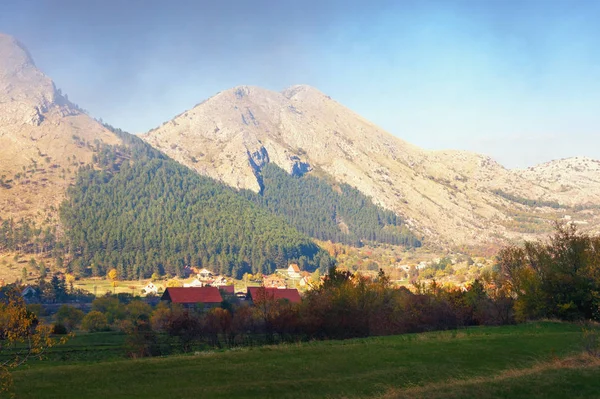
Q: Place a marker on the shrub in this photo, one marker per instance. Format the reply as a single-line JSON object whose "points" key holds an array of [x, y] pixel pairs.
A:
{"points": [[95, 321], [59, 329], [69, 317]]}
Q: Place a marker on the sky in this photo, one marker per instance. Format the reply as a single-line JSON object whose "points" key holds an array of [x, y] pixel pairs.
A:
{"points": [[516, 80]]}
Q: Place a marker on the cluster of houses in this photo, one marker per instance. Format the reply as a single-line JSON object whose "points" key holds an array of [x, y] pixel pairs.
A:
{"points": [[278, 280], [204, 278], [209, 289], [213, 296]]}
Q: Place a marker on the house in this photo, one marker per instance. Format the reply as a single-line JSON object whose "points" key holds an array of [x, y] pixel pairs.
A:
{"points": [[204, 274], [150, 288], [191, 296], [260, 293], [274, 282], [293, 271], [30, 295], [195, 283]]}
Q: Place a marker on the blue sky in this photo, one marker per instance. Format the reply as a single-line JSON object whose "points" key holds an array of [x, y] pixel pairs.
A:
{"points": [[517, 80]]}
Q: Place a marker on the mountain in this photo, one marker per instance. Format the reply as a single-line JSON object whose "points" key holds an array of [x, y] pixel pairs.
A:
{"points": [[94, 198], [44, 138], [140, 212], [453, 198]]}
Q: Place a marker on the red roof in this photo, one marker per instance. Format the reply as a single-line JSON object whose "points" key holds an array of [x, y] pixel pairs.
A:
{"points": [[192, 295], [230, 289], [291, 294], [294, 268]]}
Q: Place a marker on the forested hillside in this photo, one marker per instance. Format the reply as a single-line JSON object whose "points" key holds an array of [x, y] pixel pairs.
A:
{"points": [[315, 208], [141, 212]]}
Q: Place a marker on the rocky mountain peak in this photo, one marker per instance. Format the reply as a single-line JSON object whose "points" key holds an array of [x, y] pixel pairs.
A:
{"points": [[26, 94], [15, 56], [44, 138]]}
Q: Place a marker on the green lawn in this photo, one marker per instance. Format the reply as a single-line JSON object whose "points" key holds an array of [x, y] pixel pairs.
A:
{"points": [[478, 362]]}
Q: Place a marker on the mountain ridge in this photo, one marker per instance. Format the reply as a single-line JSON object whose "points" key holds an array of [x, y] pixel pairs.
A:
{"points": [[448, 195], [451, 197]]}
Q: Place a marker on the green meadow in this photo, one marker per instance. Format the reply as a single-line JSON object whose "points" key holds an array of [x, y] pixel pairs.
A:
{"points": [[537, 360]]}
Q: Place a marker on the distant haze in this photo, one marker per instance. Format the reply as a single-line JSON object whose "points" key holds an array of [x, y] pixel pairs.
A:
{"points": [[517, 80]]}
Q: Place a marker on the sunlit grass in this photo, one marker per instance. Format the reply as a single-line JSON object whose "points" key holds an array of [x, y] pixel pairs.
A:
{"points": [[368, 367]]}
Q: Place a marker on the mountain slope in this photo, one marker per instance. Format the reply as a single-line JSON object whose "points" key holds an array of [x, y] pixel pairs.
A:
{"points": [[449, 196], [142, 213], [337, 213], [44, 138], [574, 181]]}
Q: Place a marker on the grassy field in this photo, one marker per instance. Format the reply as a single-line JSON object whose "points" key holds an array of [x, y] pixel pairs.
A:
{"points": [[542, 360]]}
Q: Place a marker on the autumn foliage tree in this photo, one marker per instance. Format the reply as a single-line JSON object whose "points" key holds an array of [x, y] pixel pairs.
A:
{"points": [[112, 274], [559, 278], [22, 336]]}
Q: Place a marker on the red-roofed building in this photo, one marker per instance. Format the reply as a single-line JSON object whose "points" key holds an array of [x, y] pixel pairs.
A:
{"points": [[189, 296], [260, 293]]}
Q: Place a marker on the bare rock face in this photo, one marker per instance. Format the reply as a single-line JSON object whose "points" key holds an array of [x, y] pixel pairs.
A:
{"points": [[44, 138], [25, 93], [223, 138], [451, 197]]}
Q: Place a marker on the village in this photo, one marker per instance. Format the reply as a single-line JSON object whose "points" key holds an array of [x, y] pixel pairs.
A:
{"points": [[455, 271], [201, 287]]}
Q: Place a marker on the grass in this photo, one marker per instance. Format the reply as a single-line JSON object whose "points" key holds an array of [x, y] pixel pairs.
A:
{"points": [[571, 377], [492, 361]]}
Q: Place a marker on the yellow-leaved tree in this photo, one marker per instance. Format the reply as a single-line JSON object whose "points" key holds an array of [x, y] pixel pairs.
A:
{"points": [[173, 283], [112, 274], [22, 336]]}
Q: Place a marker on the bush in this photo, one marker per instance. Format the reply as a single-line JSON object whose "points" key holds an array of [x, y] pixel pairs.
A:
{"points": [[59, 329], [142, 341], [95, 321], [69, 316]]}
